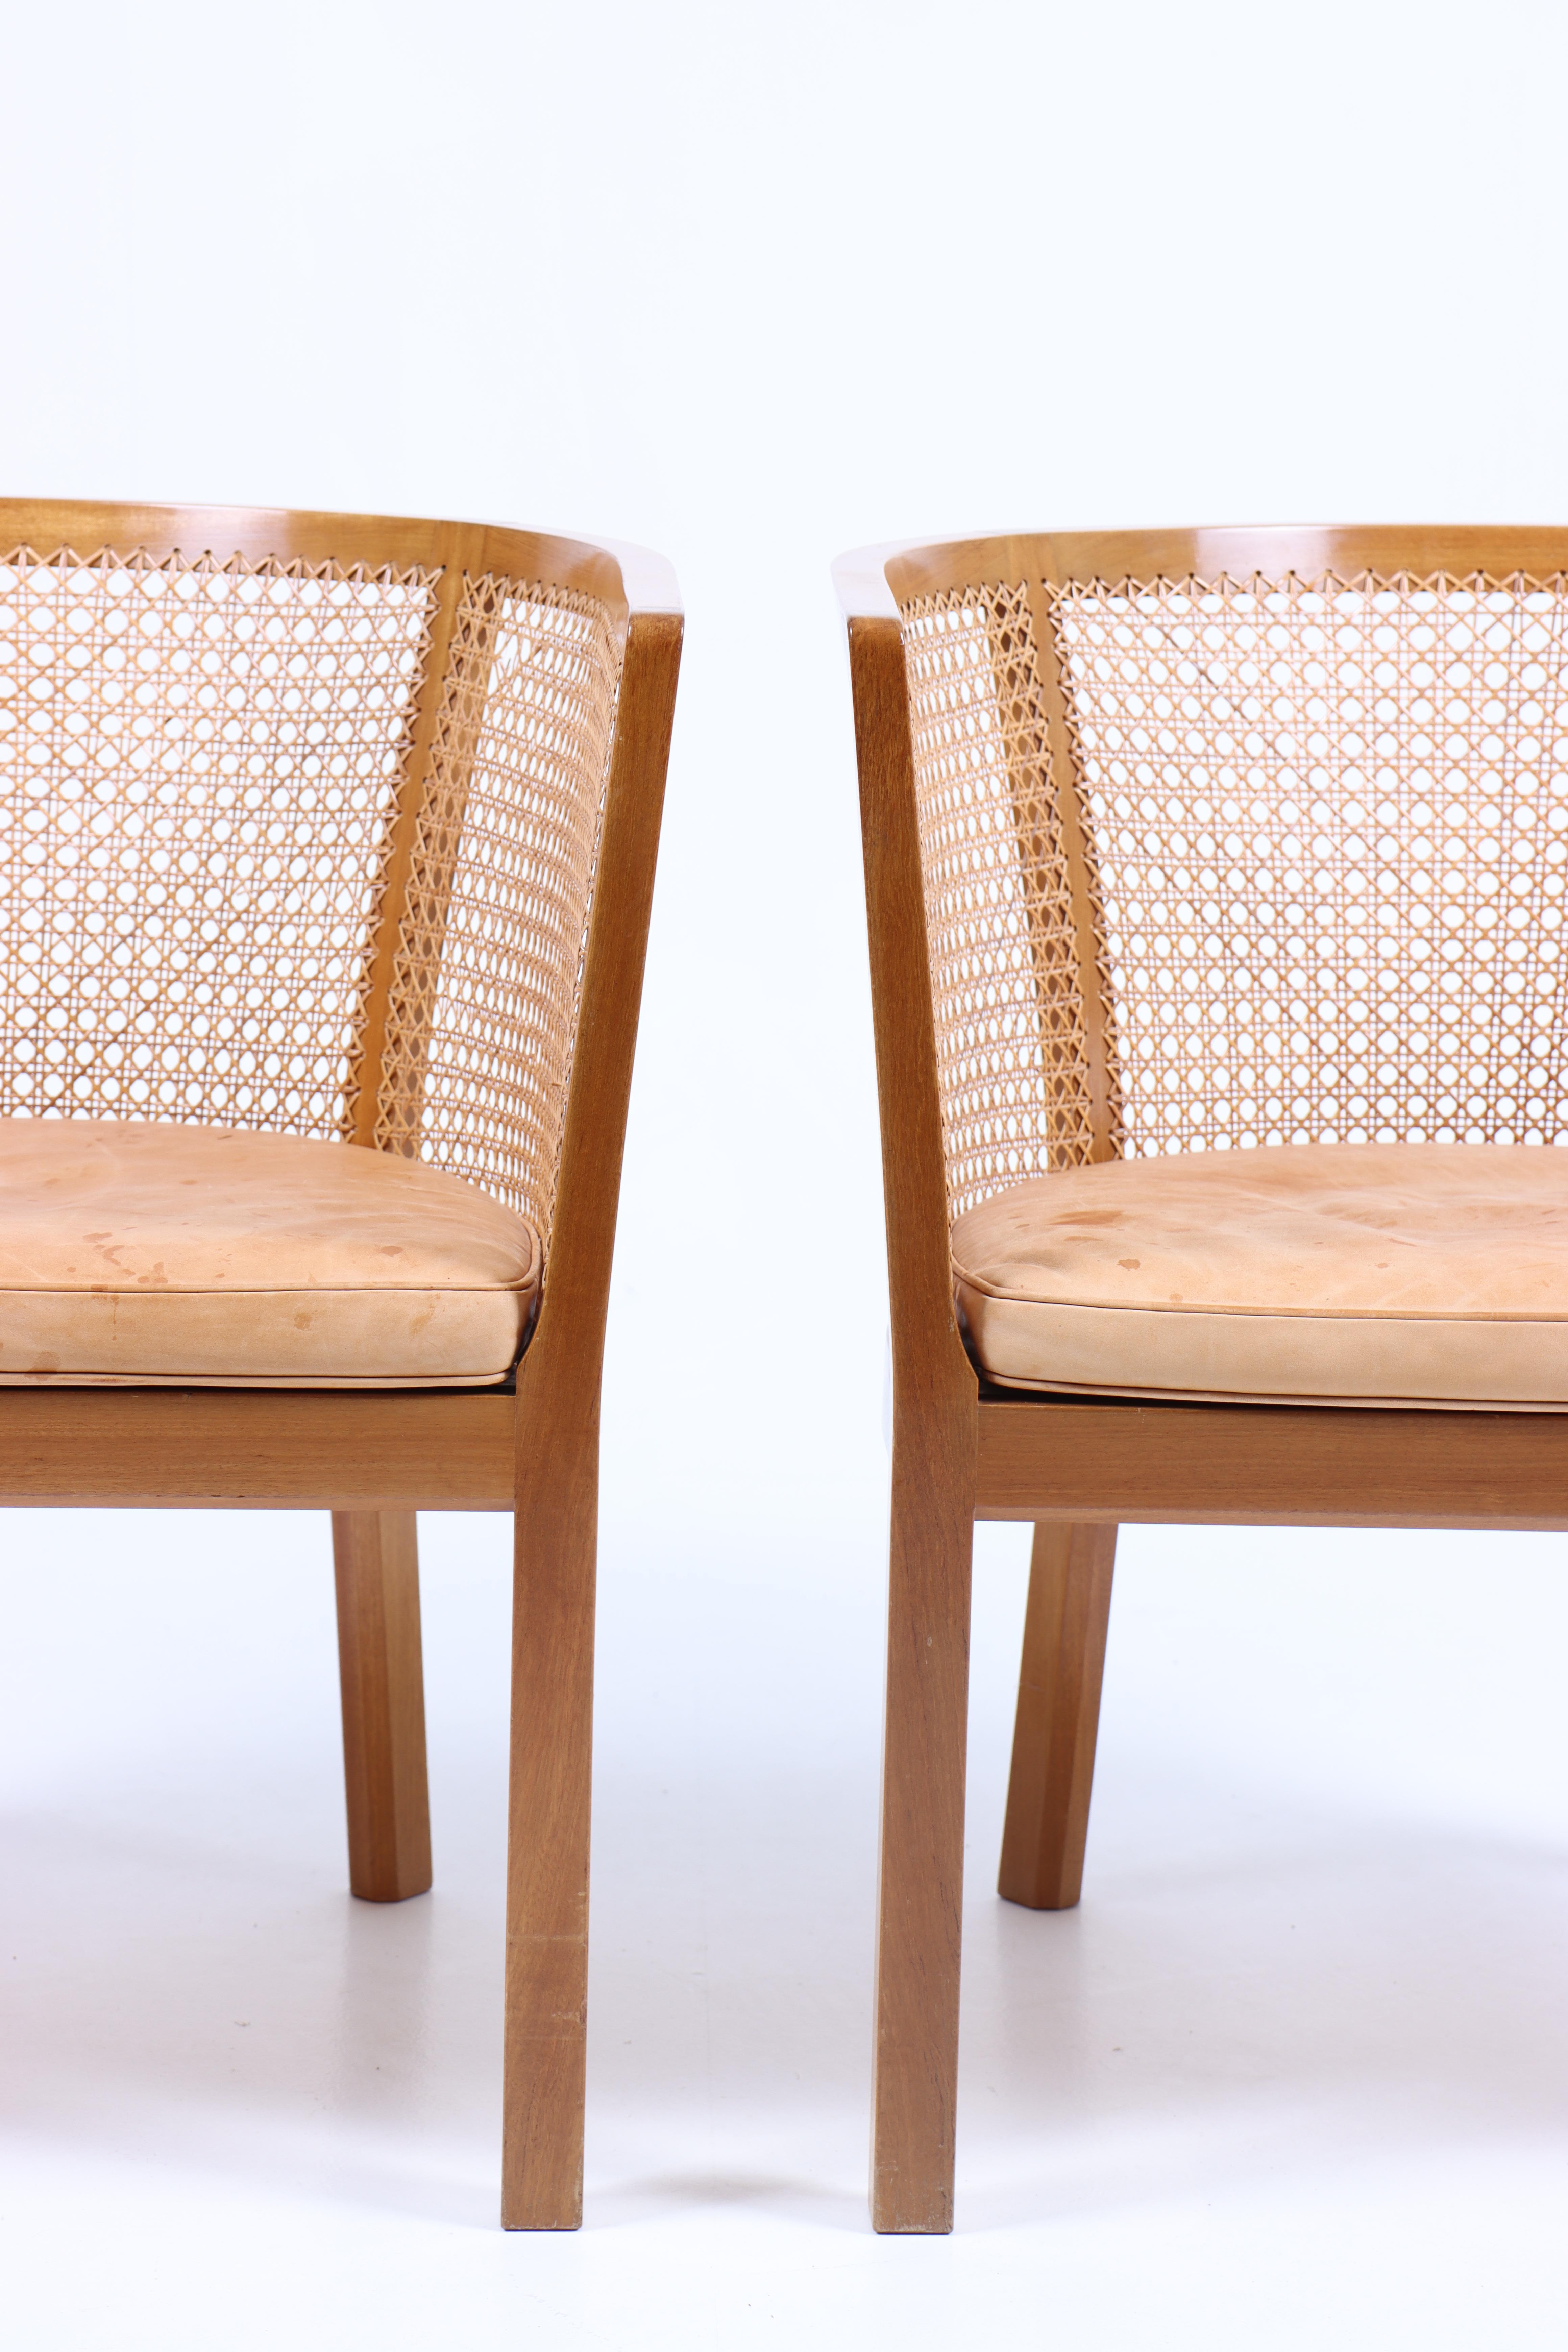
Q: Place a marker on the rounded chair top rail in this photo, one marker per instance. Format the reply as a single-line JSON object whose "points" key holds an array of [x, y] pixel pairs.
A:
{"points": [[627, 579], [873, 582]]}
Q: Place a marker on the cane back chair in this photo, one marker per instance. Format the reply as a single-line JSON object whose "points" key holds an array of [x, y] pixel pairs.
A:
{"points": [[1216, 884], [328, 847]]}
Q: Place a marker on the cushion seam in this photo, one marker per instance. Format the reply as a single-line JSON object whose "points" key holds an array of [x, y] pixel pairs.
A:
{"points": [[1255, 1313]]}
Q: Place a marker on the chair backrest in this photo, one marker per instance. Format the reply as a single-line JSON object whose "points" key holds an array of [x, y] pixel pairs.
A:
{"points": [[298, 821], [1239, 837]]}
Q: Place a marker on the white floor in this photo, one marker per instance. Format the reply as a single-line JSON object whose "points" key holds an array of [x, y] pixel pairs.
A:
{"points": [[1295, 2073]]}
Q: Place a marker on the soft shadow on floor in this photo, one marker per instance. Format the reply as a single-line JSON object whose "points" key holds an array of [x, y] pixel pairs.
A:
{"points": [[1258, 1986]]}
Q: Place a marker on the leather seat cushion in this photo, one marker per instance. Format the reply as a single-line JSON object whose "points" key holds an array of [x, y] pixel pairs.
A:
{"points": [[172, 1255], [1353, 1274]]}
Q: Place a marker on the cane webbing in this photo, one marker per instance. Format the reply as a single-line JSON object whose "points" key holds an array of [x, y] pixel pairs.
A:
{"points": [[201, 770], [489, 957], [1329, 821], [1011, 1048], [197, 766]]}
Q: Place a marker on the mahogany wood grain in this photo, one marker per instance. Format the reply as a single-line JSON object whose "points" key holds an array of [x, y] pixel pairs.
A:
{"points": [[375, 1562], [411, 800], [557, 1488], [1349, 550], [1270, 1465], [86, 526], [921, 1872], [273, 1449], [1103, 1108], [1059, 1714]]}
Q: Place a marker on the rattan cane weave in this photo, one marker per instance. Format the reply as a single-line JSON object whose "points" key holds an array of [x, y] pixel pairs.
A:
{"points": [[203, 766], [1327, 821], [1009, 1009], [490, 958], [198, 767]]}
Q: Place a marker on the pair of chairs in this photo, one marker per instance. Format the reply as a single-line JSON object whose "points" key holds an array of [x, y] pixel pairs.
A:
{"points": [[1216, 886]]}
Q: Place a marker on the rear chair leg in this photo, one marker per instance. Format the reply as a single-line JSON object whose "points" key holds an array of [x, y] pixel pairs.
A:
{"points": [[375, 1559], [1059, 1714]]}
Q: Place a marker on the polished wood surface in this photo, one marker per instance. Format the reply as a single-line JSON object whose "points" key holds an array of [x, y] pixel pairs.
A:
{"points": [[1239, 551], [411, 805], [87, 526], [1075, 1467], [261, 1449], [1059, 1714], [557, 1486], [1103, 1108], [375, 1562], [1270, 1465], [921, 1868]]}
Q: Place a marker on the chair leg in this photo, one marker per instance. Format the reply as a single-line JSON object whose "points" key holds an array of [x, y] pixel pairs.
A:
{"points": [[375, 1559], [918, 1927], [1059, 1714], [547, 1850]]}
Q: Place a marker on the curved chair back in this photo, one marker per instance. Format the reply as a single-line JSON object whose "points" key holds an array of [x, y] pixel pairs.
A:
{"points": [[299, 815], [1237, 836]]}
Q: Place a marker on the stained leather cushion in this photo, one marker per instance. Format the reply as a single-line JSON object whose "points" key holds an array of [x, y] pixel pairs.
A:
{"points": [[1355, 1274], [201, 1255]]}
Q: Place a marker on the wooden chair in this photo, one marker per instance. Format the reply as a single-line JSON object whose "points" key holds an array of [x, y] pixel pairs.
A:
{"points": [[321, 831], [1216, 884]]}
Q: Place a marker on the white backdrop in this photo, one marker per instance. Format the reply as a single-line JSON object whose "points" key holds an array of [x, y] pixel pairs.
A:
{"points": [[753, 287]]}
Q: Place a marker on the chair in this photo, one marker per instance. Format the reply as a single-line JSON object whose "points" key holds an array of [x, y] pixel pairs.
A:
{"points": [[328, 843], [1216, 884]]}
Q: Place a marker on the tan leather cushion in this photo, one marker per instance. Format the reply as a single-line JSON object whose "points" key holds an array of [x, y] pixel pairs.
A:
{"points": [[133, 1252], [1422, 1273]]}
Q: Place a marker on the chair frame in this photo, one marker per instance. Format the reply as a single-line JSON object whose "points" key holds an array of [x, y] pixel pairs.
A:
{"points": [[1076, 1467], [373, 1459]]}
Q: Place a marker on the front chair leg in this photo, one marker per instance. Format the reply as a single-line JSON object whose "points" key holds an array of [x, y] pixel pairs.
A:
{"points": [[1059, 1714], [547, 1851], [375, 1559], [918, 1939]]}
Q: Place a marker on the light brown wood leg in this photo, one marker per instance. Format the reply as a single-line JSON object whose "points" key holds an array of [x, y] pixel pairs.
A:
{"points": [[547, 1856], [918, 1927], [375, 1559], [1059, 1714]]}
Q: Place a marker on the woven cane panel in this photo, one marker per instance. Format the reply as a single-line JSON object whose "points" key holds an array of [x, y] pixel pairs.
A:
{"points": [[1011, 1055], [489, 962], [197, 766], [1332, 824]]}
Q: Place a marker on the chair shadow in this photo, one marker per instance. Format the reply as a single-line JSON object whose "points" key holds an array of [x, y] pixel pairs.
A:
{"points": [[1350, 1992], [177, 2003], [1333, 1989]]}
